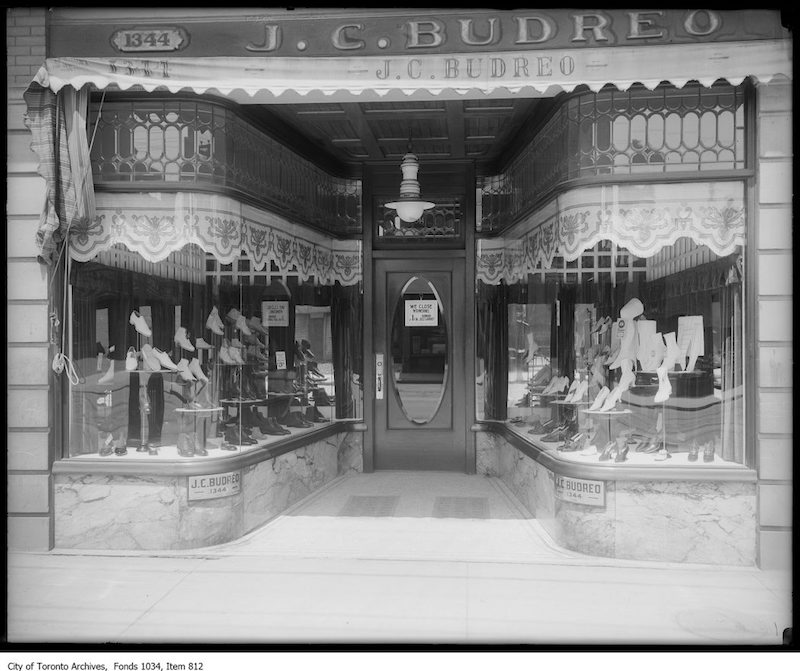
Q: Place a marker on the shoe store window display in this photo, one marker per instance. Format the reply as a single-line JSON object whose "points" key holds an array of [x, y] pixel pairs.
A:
{"points": [[646, 371], [173, 369]]}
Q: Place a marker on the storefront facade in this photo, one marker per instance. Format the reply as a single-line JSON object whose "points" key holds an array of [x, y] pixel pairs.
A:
{"points": [[210, 321]]}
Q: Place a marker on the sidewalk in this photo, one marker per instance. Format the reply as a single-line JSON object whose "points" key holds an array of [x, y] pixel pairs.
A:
{"points": [[391, 557]]}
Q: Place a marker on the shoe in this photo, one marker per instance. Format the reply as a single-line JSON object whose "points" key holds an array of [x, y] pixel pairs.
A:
{"points": [[255, 325], [551, 386], [276, 428], [708, 452], [140, 324], [622, 455], [237, 436], [554, 436], [214, 323], [314, 415], [182, 340], [149, 360], [185, 373], [650, 447], [105, 445], [131, 360], [572, 388], [241, 324], [580, 392], [225, 355], [321, 398], [185, 445], [693, 450], [306, 347], [608, 450], [109, 374], [233, 315], [295, 420], [600, 399], [163, 359], [543, 427], [196, 370], [313, 371], [202, 344], [663, 454], [573, 443], [235, 354]]}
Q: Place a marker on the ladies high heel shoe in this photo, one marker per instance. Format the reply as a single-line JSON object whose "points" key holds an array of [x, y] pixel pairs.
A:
{"points": [[608, 450], [622, 455], [556, 435], [540, 427], [573, 443]]}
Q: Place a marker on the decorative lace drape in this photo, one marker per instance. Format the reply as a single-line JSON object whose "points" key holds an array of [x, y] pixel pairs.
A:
{"points": [[157, 224], [642, 218]]}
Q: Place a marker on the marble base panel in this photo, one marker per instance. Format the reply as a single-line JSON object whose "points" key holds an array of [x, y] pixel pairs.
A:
{"points": [[705, 522], [137, 512]]}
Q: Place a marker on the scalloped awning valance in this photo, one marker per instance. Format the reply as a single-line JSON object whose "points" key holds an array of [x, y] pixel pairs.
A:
{"points": [[156, 224], [264, 79], [642, 218]]}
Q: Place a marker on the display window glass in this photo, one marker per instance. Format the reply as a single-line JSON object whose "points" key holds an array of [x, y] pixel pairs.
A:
{"points": [[615, 358], [192, 358]]}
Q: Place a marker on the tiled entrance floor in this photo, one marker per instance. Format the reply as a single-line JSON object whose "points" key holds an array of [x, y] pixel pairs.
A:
{"points": [[405, 515]]}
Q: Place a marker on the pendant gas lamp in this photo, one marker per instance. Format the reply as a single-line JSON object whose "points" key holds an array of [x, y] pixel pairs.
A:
{"points": [[410, 205]]}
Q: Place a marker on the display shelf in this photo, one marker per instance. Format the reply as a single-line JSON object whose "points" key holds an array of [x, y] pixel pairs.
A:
{"points": [[243, 401], [199, 411]]}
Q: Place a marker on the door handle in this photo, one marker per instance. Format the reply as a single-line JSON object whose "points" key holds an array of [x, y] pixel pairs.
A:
{"points": [[379, 376]]}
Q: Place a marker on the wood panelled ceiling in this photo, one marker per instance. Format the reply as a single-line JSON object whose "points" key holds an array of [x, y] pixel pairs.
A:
{"points": [[350, 134]]}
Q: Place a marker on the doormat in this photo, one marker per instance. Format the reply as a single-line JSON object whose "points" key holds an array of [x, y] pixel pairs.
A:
{"points": [[369, 506], [466, 507]]}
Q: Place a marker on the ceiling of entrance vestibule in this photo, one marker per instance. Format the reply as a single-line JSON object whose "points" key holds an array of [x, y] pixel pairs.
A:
{"points": [[480, 130]]}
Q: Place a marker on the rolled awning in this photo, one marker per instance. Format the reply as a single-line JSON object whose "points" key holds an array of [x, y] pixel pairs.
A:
{"points": [[287, 79]]}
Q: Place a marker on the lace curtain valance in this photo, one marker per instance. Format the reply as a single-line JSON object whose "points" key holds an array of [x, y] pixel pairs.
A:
{"points": [[157, 224], [642, 218]]}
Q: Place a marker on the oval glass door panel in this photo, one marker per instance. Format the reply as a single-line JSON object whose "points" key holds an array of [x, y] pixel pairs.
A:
{"points": [[420, 350]]}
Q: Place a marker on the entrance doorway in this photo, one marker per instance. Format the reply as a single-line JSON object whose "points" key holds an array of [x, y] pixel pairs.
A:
{"points": [[420, 381]]}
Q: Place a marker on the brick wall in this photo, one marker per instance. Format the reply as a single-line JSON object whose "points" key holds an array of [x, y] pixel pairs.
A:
{"points": [[774, 323], [29, 455]]}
